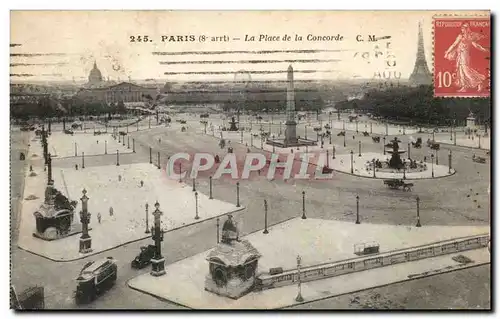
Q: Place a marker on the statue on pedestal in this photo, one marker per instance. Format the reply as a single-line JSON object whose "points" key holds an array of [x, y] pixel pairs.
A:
{"points": [[232, 264]]}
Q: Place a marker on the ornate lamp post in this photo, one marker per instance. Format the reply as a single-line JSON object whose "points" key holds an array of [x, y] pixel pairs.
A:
{"points": [[359, 147], [352, 162], [409, 156], [330, 137], [418, 212], [147, 219], [357, 126], [83, 160], [194, 185], [133, 145], [265, 217], [455, 139], [449, 162], [383, 146], [76, 150], [150, 155], [432, 164], [304, 205], [157, 262], [344, 138], [437, 158], [158, 160], [357, 209], [128, 141], [85, 239], [237, 194], [196, 205], [251, 139], [333, 151], [105, 147], [117, 158], [299, 297]]}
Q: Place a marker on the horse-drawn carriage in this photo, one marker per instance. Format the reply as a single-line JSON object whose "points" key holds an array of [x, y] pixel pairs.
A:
{"points": [[418, 143], [433, 145], [397, 183], [376, 139], [365, 133], [144, 257]]}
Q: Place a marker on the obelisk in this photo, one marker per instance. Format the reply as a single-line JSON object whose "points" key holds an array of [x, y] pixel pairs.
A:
{"points": [[291, 125]]}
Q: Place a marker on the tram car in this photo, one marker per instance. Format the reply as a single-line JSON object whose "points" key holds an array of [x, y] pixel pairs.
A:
{"points": [[95, 278]]}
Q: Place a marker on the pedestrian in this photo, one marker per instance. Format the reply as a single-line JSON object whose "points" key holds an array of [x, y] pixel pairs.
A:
{"points": [[142, 183], [97, 141], [99, 217], [111, 211], [119, 178], [425, 158], [31, 168]]}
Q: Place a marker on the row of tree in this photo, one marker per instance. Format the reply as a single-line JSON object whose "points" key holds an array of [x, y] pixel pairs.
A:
{"points": [[418, 105]]}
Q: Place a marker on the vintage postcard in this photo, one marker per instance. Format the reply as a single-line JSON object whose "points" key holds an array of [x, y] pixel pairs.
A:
{"points": [[250, 160]]}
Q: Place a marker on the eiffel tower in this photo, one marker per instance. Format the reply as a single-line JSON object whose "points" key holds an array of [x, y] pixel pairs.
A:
{"points": [[421, 74]]}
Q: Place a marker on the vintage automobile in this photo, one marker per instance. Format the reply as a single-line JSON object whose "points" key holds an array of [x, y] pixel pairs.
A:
{"points": [[204, 115], [435, 146], [376, 139], [182, 121], [397, 183], [22, 157], [76, 125], [478, 159], [144, 257], [95, 278]]}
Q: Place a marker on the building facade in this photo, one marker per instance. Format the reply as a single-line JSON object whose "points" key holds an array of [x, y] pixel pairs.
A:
{"points": [[122, 92]]}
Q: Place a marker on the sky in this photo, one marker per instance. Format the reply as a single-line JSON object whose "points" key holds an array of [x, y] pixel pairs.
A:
{"points": [[81, 37]]}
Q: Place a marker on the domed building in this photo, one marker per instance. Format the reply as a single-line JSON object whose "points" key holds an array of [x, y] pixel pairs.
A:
{"points": [[95, 76]]}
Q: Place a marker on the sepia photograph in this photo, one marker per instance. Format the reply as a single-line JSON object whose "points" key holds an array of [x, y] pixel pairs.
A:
{"points": [[250, 160]]}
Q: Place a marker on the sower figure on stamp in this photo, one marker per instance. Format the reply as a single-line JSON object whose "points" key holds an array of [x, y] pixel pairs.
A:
{"points": [[467, 77]]}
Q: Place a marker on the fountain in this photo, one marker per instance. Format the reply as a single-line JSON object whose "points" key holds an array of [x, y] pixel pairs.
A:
{"points": [[395, 161]]}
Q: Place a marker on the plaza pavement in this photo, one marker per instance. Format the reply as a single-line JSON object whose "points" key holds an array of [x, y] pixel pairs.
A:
{"points": [[125, 196], [460, 199], [316, 241]]}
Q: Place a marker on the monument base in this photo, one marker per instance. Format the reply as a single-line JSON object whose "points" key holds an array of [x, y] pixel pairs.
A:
{"points": [[234, 289], [85, 245], [158, 267], [283, 143]]}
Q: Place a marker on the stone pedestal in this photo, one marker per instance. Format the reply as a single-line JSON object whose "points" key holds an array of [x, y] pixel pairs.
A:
{"points": [[85, 245], [290, 133], [157, 267]]}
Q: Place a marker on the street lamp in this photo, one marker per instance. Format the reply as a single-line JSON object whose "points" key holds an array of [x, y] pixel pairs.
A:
{"points": [[359, 144], [299, 297], [304, 205], [157, 262], [196, 205], [210, 184], [409, 149], [418, 212], [357, 209], [83, 159], [117, 158], [218, 230], [383, 146], [449, 162], [432, 164], [437, 158], [352, 162], [150, 155], [344, 138], [265, 217], [147, 219], [237, 194], [85, 239]]}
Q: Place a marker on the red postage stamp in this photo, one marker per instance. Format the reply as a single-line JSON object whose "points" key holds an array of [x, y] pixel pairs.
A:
{"points": [[462, 56]]}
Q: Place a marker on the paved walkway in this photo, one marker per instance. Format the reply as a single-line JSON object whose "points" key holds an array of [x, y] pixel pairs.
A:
{"points": [[316, 241], [125, 196], [64, 145]]}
